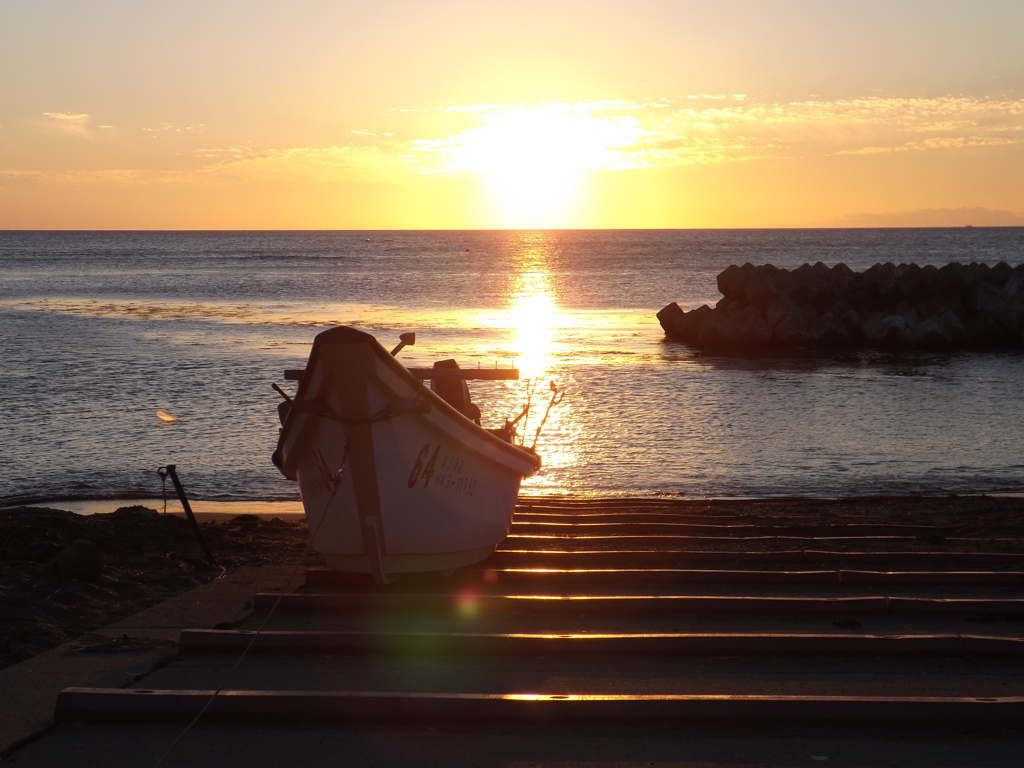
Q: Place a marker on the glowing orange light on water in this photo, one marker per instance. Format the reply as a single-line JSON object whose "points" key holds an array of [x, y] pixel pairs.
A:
{"points": [[533, 317]]}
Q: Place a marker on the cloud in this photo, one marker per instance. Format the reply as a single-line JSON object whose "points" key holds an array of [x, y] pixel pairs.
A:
{"points": [[300, 165], [747, 130], [614, 135], [950, 142], [66, 117], [329, 164], [478, 108], [174, 128], [116, 176], [715, 128], [67, 123]]}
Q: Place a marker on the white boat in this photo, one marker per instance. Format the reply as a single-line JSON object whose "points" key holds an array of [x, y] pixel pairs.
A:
{"points": [[394, 477]]}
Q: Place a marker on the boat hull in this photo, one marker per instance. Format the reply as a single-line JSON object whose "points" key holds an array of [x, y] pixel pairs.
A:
{"points": [[392, 478]]}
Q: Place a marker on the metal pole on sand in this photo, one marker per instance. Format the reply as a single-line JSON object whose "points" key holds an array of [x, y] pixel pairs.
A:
{"points": [[171, 470]]}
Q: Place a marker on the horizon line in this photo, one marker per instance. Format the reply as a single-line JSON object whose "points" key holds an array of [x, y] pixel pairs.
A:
{"points": [[529, 229]]}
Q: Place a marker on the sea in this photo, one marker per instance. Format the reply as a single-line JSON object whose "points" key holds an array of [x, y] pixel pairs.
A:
{"points": [[100, 330]]}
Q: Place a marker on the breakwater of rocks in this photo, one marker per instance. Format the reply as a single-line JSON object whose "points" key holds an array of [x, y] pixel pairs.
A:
{"points": [[889, 306]]}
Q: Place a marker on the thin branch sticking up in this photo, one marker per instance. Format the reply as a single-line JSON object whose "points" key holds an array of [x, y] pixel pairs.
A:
{"points": [[525, 414], [557, 396]]}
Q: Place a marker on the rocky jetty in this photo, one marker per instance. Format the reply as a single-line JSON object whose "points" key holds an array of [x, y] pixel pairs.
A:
{"points": [[889, 306]]}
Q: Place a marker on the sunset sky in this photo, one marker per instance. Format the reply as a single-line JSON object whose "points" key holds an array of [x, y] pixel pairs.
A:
{"points": [[474, 114]]}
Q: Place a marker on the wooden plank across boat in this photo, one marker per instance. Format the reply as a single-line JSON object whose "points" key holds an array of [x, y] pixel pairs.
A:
{"points": [[432, 374], [395, 477]]}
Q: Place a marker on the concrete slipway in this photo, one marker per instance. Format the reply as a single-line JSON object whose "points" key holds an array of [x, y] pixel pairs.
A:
{"points": [[713, 646]]}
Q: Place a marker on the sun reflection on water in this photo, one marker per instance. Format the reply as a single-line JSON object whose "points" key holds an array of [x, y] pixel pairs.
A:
{"points": [[535, 324], [532, 319]]}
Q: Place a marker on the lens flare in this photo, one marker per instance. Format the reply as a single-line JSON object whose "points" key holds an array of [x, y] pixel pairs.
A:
{"points": [[467, 604]]}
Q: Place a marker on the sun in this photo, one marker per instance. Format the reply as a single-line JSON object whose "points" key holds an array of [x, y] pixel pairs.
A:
{"points": [[534, 161]]}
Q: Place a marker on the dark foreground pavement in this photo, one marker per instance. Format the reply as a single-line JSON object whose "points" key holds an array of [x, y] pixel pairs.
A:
{"points": [[932, 614]]}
